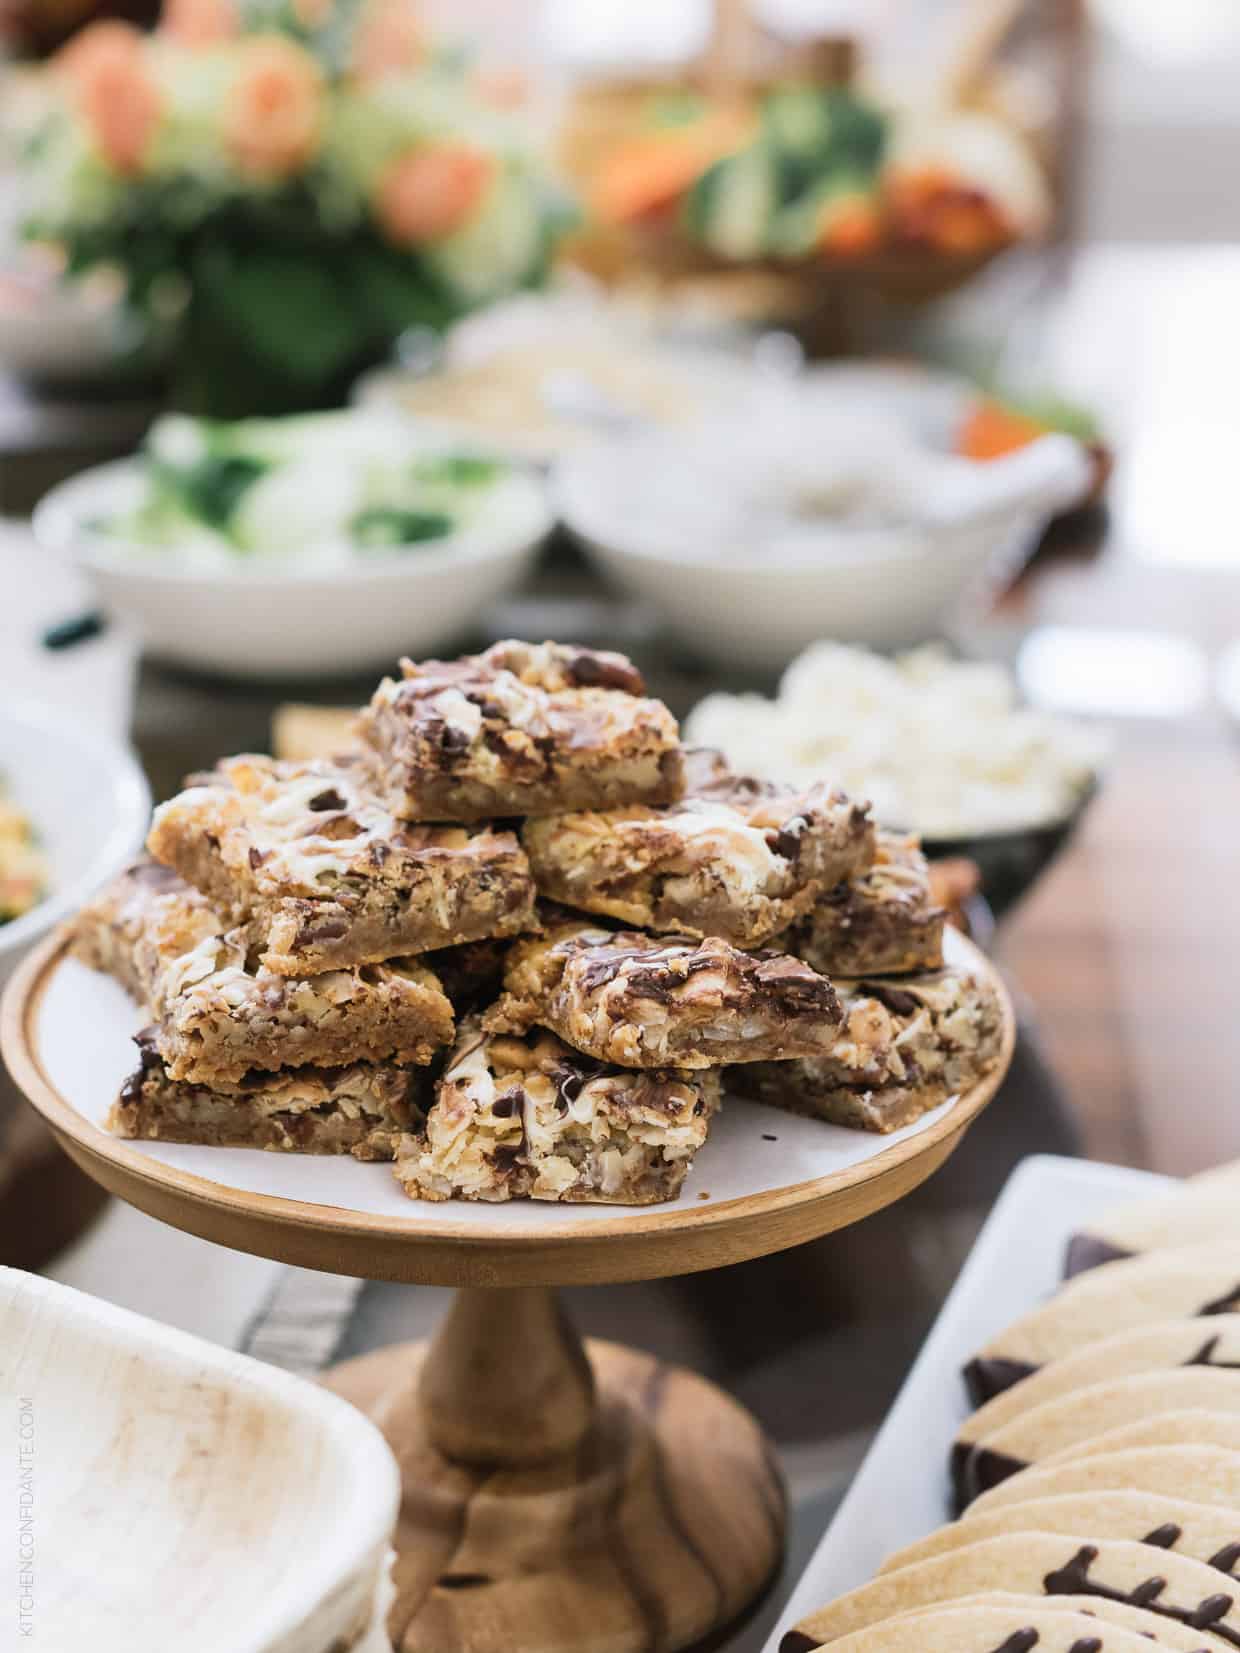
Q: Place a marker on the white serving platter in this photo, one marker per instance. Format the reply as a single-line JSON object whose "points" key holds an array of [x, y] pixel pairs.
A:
{"points": [[901, 1491], [90, 1068], [168, 1494], [85, 1024], [765, 1180]]}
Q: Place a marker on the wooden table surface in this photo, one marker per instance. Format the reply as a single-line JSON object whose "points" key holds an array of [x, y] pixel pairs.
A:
{"points": [[1130, 947]]}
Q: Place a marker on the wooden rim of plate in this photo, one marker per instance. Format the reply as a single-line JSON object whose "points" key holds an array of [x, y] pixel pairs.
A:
{"points": [[644, 1243]]}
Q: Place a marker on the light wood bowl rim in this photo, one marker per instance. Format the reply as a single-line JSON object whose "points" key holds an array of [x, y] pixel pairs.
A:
{"points": [[643, 1243]]}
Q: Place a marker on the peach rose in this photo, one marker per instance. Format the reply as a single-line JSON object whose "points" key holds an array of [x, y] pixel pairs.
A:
{"points": [[197, 23], [503, 88], [273, 113], [312, 14], [389, 40], [112, 88], [430, 191]]}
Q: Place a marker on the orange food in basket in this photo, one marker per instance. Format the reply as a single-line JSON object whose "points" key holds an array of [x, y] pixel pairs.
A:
{"points": [[932, 208], [651, 171], [852, 228]]}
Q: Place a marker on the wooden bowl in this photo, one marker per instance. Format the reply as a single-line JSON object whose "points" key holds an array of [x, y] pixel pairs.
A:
{"points": [[180, 1495]]}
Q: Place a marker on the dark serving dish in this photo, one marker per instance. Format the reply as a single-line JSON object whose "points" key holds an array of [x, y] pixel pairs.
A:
{"points": [[1012, 862]]}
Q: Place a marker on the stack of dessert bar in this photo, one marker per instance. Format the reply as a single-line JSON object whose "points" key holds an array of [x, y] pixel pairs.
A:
{"points": [[511, 939]]}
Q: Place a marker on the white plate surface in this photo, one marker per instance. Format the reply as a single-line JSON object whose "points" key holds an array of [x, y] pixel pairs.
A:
{"points": [[84, 1028], [901, 1490]]}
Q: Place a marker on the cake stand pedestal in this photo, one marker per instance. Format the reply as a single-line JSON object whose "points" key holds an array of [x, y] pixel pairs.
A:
{"points": [[558, 1497]]}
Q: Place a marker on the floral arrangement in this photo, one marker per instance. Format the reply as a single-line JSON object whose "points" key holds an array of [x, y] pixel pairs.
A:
{"points": [[307, 178], [821, 173]]}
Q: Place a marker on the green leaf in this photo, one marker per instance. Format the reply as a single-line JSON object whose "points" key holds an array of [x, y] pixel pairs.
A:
{"points": [[289, 310], [391, 291], [384, 527]]}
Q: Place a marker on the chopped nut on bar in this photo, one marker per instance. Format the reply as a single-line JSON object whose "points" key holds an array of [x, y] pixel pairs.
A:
{"points": [[219, 1013], [326, 877], [880, 922], [739, 865], [523, 729], [528, 1117], [669, 1001], [905, 1047], [361, 1110]]}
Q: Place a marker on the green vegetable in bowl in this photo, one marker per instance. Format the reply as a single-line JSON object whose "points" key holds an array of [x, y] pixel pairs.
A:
{"points": [[211, 490], [459, 470], [382, 527], [317, 485]]}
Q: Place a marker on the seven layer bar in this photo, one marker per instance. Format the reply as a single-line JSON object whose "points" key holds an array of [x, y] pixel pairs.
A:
{"points": [[531, 1117], [326, 877], [218, 1014]]}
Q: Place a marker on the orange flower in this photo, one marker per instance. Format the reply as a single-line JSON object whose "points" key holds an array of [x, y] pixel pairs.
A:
{"points": [[106, 71], [273, 113], [312, 14], [389, 40], [432, 190], [196, 23]]}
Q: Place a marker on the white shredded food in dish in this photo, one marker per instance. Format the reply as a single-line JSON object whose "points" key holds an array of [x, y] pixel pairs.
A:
{"points": [[939, 746]]}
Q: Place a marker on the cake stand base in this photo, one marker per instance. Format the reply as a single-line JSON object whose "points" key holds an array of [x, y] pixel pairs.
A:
{"points": [[562, 1498]]}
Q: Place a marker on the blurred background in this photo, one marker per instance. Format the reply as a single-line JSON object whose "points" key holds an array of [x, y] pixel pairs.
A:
{"points": [[867, 370]]}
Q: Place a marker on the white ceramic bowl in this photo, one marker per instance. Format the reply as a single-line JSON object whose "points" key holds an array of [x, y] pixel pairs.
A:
{"points": [[757, 608], [182, 1496], [89, 803], [269, 619]]}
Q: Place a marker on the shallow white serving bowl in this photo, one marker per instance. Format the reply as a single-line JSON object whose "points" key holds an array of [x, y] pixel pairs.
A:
{"points": [[757, 607], [183, 1496], [268, 618], [89, 803]]}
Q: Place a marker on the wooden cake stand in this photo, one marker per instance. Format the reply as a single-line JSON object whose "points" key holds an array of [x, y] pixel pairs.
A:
{"points": [[557, 1496]]}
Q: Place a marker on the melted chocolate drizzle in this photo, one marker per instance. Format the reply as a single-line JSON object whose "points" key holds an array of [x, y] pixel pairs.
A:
{"points": [[1020, 1641], [1228, 1303], [1165, 1537], [989, 1375], [1204, 1356], [1073, 1579], [796, 1641]]}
